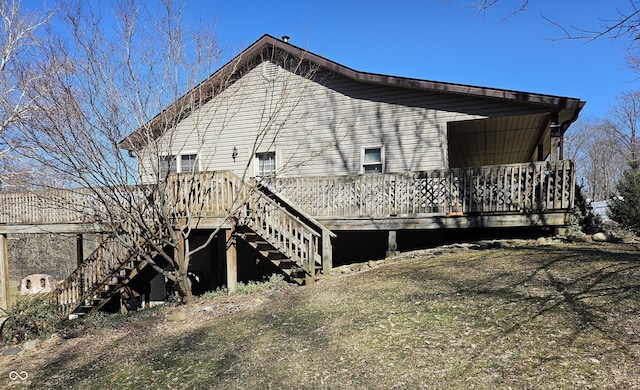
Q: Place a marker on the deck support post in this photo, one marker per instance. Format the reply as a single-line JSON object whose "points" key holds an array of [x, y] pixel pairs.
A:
{"points": [[79, 249], [392, 243], [4, 272], [327, 252], [232, 261], [310, 275]]}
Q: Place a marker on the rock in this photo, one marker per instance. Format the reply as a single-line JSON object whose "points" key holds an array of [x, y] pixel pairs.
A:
{"points": [[541, 241], [31, 344], [371, 264], [211, 308], [11, 351], [230, 306], [388, 260], [580, 238], [177, 316], [601, 237]]}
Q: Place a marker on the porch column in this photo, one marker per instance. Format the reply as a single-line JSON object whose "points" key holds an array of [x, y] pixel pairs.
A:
{"points": [[392, 243], [79, 250], [232, 261], [4, 272], [555, 149], [327, 252], [556, 139]]}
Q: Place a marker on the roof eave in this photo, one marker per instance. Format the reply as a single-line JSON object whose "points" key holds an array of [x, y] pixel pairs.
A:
{"points": [[557, 102]]}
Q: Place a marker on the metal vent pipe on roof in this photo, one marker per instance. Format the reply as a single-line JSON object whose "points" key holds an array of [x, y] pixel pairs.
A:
{"points": [[285, 38]]}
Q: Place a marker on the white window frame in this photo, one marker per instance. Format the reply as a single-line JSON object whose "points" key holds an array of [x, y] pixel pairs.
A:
{"points": [[256, 160], [197, 163], [163, 161], [364, 164], [178, 163]]}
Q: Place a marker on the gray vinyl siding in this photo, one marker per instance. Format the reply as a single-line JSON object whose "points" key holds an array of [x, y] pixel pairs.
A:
{"points": [[319, 127]]}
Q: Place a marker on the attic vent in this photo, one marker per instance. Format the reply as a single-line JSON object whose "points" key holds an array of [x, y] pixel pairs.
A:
{"points": [[270, 71]]}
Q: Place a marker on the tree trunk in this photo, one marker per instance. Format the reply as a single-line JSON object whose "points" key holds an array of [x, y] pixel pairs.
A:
{"points": [[183, 286], [183, 283]]}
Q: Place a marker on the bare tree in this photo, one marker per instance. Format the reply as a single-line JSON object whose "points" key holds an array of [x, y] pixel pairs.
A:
{"points": [[97, 86], [625, 124], [625, 24], [594, 145], [102, 87], [19, 42]]}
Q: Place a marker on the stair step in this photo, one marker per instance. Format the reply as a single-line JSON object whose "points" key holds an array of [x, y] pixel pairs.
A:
{"points": [[273, 254], [250, 237]]}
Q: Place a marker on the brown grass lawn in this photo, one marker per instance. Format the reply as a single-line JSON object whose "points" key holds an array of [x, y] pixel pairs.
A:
{"points": [[553, 316]]}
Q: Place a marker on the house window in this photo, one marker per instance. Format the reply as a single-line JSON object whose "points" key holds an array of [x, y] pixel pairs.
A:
{"points": [[266, 164], [168, 164], [372, 160], [189, 163], [182, 163]]}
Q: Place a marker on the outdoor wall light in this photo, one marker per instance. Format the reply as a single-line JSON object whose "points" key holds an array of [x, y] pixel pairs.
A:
{"points": [[234, 154]]}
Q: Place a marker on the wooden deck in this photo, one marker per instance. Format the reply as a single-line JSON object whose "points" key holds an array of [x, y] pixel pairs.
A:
{"points": [[293, 216], [530, 194]]}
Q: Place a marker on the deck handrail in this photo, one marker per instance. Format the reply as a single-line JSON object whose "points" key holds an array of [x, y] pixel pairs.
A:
{"points": [[278, 226], [499, 189], [513, 188]]}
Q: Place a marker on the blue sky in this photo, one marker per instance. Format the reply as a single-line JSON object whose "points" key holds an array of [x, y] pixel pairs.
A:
{"points": [[442, 40]]}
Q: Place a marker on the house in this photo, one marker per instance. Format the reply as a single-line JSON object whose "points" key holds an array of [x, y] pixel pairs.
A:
{"points": [[344, 164]]}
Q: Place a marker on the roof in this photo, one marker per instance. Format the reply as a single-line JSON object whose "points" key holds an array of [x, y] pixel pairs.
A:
{"points": [[205, 90]]}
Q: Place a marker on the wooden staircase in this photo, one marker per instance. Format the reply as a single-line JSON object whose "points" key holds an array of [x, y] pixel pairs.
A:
{"points": [[98, 278], [275, 228], [282, 234], [269, 252]]}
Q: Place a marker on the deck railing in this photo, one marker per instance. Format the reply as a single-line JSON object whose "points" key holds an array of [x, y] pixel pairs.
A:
{"points": [[513, 188], [201, 194], [95, 270], [206, 194], [218, 194], [50, 206]]}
